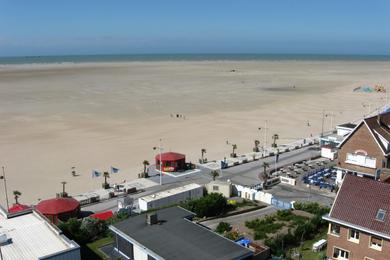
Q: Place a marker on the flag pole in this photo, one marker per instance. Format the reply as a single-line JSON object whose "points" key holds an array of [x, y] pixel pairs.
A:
{"points": [[160, 163], [5, 188]]}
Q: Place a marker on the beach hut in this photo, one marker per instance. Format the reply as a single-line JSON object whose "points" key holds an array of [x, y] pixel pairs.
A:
{"points": [[59, 209], [171, 162]]}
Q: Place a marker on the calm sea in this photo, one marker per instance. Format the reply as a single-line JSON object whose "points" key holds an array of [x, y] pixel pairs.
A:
{"points": [[186, 57]]}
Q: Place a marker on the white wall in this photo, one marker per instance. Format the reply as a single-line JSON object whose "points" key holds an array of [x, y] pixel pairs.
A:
{"points": [[287, 180], [170, 200], [328, 153], [251, 194], [139, 253]]}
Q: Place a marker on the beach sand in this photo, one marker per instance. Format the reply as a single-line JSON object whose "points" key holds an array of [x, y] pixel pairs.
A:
{"points": [[93, 116]]}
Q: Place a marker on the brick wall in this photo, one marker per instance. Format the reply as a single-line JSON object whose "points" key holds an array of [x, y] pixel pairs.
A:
{"points": [[357, 250], [361, 140]]}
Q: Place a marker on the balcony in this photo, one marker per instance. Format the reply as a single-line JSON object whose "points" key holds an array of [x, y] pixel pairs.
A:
{"points": [[361, 160]]}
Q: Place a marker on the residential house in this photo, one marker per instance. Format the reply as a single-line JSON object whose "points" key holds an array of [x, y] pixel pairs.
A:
{"points": [[365, 152], [359, 220], [170, 234]]}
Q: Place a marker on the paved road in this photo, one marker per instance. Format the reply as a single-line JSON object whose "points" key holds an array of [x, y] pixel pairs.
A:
{"points": [[245, 174], [241, 218]]}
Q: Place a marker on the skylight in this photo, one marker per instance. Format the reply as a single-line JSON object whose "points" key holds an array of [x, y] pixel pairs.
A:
{"points": [[381, 215]]}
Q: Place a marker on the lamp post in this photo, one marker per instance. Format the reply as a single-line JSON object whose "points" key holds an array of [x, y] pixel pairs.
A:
{"points": [[5, 187], [265, 128], [160, 161]]}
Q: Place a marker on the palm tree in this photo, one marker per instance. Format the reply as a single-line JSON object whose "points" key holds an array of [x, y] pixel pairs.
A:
{"points": [[257, 143], [264, 175], [203, 151], [214, 174], [146, 164], [16, 196], [105, 184], [234, 147], [275, 137]]}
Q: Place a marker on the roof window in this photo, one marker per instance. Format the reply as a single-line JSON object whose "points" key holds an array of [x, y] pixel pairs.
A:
{"points": [[380, 215]]}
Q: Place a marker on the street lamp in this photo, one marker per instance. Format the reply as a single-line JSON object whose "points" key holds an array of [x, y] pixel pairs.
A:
{"points": [[265, 128], [160, 161]]}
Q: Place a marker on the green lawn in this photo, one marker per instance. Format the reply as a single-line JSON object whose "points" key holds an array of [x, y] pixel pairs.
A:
{"points": [[95, 246], [307, 252]]}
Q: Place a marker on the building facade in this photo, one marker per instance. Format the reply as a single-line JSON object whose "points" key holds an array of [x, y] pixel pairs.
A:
{"points": [[359, 221], [365, 152]]}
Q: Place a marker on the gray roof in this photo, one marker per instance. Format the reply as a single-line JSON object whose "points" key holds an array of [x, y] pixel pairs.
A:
{"points": [[176, 237]]}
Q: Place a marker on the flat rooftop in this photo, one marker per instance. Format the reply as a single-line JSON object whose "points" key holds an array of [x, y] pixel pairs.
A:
{"points": [[32, 237], [177, 237], [167, 193]]}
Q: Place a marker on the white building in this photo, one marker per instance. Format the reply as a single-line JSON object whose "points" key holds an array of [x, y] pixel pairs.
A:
{"points": [[170, 197], [28, 235], [221, 187]]}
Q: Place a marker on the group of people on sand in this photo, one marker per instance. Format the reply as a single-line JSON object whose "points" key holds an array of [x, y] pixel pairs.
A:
{"points": [[178, 116]]}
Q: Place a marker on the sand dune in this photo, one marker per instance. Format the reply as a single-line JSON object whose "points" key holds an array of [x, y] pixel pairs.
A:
{"points": [[92, 116]]}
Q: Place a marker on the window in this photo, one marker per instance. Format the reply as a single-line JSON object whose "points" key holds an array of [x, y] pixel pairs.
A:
{"points": [[380, 215], [340, 254], [335, 229], [376, 243], [215, 188], [354, 235]]}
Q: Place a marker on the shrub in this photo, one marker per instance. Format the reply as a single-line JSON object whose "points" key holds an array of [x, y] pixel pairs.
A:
{"points": [[213, 204], [311, 207], [223, 227]]}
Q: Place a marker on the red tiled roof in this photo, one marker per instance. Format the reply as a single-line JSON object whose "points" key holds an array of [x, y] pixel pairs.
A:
{"points": [[57, 206], [170, 156], [103, 215], [18, 207], [358, 202]]}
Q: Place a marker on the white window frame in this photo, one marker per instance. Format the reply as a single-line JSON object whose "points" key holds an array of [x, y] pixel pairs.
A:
{"points": [[341, 251], [330, 230], [375, 247], [353, 238]]}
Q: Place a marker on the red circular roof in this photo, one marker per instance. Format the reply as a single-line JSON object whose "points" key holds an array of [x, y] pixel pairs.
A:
{"points": [[18, 207], [57, 206], [170, 156]]}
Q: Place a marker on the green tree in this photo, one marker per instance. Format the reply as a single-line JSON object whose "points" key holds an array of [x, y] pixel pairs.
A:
{"points": [[17, 194], [213, 204], [214, 174], [264, 174]]}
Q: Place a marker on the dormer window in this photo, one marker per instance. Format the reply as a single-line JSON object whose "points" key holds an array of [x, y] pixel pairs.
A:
{"points": [[380, 215]]}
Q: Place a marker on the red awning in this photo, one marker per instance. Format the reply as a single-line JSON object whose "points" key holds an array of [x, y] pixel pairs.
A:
{"points": [[170, 156], [102, 215], [18, 207]]}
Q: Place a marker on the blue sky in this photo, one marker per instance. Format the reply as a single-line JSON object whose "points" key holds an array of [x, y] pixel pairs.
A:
{"points": [[49, 27]]}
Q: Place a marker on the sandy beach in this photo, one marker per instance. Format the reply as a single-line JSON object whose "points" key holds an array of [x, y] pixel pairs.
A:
{"points": [[97, 115]]}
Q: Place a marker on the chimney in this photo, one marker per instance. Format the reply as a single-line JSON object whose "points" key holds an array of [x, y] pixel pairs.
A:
{"points": [[151, 218]]}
